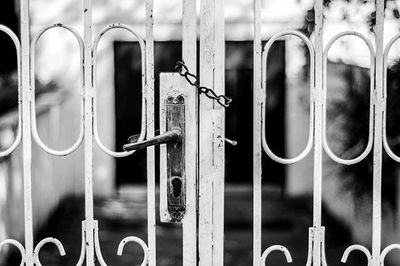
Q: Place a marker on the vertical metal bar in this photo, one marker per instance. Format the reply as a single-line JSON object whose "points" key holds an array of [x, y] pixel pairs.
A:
{"points": [[257, 101], [189, 34], [219, 136], [206, 173], [26, 130], [190, 220], [88, 95], [317, 197], [151, 214], [377, 157]]}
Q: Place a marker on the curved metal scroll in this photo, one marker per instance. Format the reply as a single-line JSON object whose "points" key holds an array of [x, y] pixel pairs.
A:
{"points": [[386, 250], [16, 244], [381, 258], [368, 148], [120, 247], [284, 250], [385, 65], [138, 241], [308, 147], [17, 45], [60, 248], [44, 242], [35, 133], [143, 58], [353, 248]]}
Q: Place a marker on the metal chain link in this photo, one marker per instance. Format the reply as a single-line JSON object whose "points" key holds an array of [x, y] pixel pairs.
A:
{"points": [[192, 79]]}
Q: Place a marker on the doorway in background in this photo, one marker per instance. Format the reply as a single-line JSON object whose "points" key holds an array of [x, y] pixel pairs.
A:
{"points": [[239, 124]]}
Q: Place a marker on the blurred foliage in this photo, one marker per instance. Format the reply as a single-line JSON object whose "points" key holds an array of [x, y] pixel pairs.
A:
{"points": [[9, 91], [353, 109], [391, 9], [358, 178]]}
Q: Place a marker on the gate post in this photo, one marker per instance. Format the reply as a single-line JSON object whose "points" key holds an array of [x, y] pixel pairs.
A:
{"points": [[88, 96], [189, 224], [318, 230], [26, 130], [377, 149], [211, 134], [257, 102], [151, 181]]}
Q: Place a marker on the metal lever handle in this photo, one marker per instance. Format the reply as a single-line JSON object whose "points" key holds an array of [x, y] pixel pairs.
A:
{"points": [[174, 134], [231, 142]]}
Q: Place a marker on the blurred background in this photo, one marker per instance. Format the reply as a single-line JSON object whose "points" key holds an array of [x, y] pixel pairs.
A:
{"points": [[120, 184]]}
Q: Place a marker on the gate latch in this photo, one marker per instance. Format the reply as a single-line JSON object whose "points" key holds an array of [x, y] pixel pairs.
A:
{"points": [[175, 151], [172, 180]]}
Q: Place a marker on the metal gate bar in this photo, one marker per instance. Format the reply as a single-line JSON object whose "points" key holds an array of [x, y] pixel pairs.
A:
{"points": [[211, 134], [151, 180], [317, 133], [189, 224]]}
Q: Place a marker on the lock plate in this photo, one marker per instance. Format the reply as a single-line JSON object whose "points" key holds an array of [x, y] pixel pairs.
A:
{"points": [[178, 163], [176, 187]]}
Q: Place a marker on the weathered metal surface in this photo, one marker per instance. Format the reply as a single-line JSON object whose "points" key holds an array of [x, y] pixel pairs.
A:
{"points": [[176, 182], [88, 149], [26, 131], [257, 102], [211, 134], [318, 250], [377, 150], [173, 120], [219, 139], [151, 182], [175, 88], [189, 223]]}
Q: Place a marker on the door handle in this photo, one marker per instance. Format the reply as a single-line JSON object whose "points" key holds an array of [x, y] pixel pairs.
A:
{"points": [[173, 135], [231, 142]]}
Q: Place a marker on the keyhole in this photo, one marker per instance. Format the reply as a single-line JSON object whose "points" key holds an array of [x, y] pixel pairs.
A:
{"points": [[176, 187]]}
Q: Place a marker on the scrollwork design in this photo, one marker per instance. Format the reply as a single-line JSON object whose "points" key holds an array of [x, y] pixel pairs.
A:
{"points": [[352, 248], [44, 242], [280, 248], [138, 241], [121, 246], [386, 250], [16, 244]]}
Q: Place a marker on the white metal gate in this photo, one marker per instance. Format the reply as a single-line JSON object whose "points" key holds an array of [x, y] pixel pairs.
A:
{"points": [[203, 223], [317, 141]]}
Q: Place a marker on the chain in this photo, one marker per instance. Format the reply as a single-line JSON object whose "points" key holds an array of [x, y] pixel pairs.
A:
{"points": [[192, 79]]}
